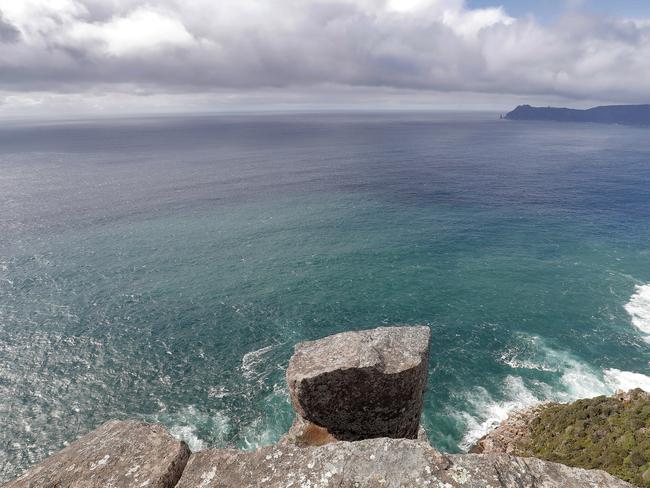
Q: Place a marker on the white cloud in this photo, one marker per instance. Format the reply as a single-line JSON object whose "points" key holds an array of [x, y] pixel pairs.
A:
{"points": [[138, 31], [469, 24], [207, 46]]}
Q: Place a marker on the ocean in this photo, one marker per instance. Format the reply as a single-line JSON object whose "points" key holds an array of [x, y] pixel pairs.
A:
{"points": [[162, 268]]}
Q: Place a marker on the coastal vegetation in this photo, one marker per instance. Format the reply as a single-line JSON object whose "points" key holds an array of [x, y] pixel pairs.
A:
{"points": [[608, 433]]}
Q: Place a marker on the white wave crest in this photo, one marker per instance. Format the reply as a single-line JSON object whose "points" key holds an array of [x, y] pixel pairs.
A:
{"points": [[187, 433], [490, 412], [639, 309], [186, 424], [578, 380], [251, 359], [626, 380], [573, 380], [526, 356]]}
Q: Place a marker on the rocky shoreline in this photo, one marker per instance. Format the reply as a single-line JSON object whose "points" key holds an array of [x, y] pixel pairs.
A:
{"points": [[610, 433], [510, 434], [358, 401]]}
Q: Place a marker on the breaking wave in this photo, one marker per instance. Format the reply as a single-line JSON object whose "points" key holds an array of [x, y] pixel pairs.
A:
{"points": [[626, 380], [486, 412], [570, 380], [251, 359], [639, 309], [190, 425]]}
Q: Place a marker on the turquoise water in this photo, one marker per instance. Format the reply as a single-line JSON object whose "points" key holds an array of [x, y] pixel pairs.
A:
{"points": [[163, 268]]}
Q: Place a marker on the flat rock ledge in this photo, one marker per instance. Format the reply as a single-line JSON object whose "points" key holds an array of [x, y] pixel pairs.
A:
{"points": [[374, 463], [360, 385], [117, 454]]}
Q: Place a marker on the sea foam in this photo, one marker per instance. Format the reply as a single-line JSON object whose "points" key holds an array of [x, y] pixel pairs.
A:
{"points": [[626, 380], [188, 424], [488, 412], [639, 309], [574, 379], [251, 360], [188, 434]]}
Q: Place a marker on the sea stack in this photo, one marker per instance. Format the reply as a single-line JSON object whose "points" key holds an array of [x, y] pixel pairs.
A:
{"points": [[362, 385]]}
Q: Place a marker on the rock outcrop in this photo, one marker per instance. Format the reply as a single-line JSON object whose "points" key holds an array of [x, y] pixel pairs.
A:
{"points": [[117, 454], [366, 386], [303, 433], [360, 385], [375, 463]]}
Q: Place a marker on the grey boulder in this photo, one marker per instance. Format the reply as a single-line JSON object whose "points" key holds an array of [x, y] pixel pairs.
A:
{"points": [[360, 385], [117, 454]]}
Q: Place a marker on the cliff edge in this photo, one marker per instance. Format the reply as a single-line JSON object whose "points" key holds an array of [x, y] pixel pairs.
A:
{"points": [[358, 401]]}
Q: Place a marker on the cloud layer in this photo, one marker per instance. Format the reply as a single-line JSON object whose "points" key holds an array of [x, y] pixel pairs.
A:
{"points": [[201, 46]]}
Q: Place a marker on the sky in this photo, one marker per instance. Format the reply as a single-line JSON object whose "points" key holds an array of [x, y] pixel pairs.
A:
{"points": [[548, 10], [68, 57]]}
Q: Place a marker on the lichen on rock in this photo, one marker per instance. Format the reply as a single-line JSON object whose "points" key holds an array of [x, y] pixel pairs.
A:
{"points": [[375, 463], [117, 454]]}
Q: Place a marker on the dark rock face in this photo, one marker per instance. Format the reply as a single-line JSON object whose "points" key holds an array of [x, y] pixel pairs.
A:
{"points": [[360, 385], [375, 463], [117, 454]]}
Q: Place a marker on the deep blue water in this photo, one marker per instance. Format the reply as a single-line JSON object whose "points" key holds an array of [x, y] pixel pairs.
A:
{"points": [[163, 268]]}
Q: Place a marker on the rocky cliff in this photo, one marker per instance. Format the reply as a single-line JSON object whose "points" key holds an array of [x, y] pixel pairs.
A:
{"points": [[358, 400]]}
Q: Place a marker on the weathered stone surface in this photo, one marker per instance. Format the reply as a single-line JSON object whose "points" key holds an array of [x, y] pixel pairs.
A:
{"points": [[384, 462], [361, 385], [117, 454]]}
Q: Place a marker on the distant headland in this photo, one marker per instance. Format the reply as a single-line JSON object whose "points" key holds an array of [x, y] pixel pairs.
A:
{"points": [[608, 114]]}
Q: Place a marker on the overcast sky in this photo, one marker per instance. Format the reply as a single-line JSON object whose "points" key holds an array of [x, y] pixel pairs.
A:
{"points": [[113, 56]]}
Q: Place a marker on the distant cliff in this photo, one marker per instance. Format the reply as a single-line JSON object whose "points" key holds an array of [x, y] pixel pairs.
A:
{"points": [[609, 114]]}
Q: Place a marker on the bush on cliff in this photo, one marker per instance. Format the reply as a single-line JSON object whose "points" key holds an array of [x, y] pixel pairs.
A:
{"points": [[608, 433]]}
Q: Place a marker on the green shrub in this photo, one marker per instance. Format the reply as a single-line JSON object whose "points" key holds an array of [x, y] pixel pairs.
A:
{"points": [[608, 433]]}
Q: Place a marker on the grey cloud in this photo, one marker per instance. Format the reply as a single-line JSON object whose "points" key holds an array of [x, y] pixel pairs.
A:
{"points": [[201, 45], [8, 33]]}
